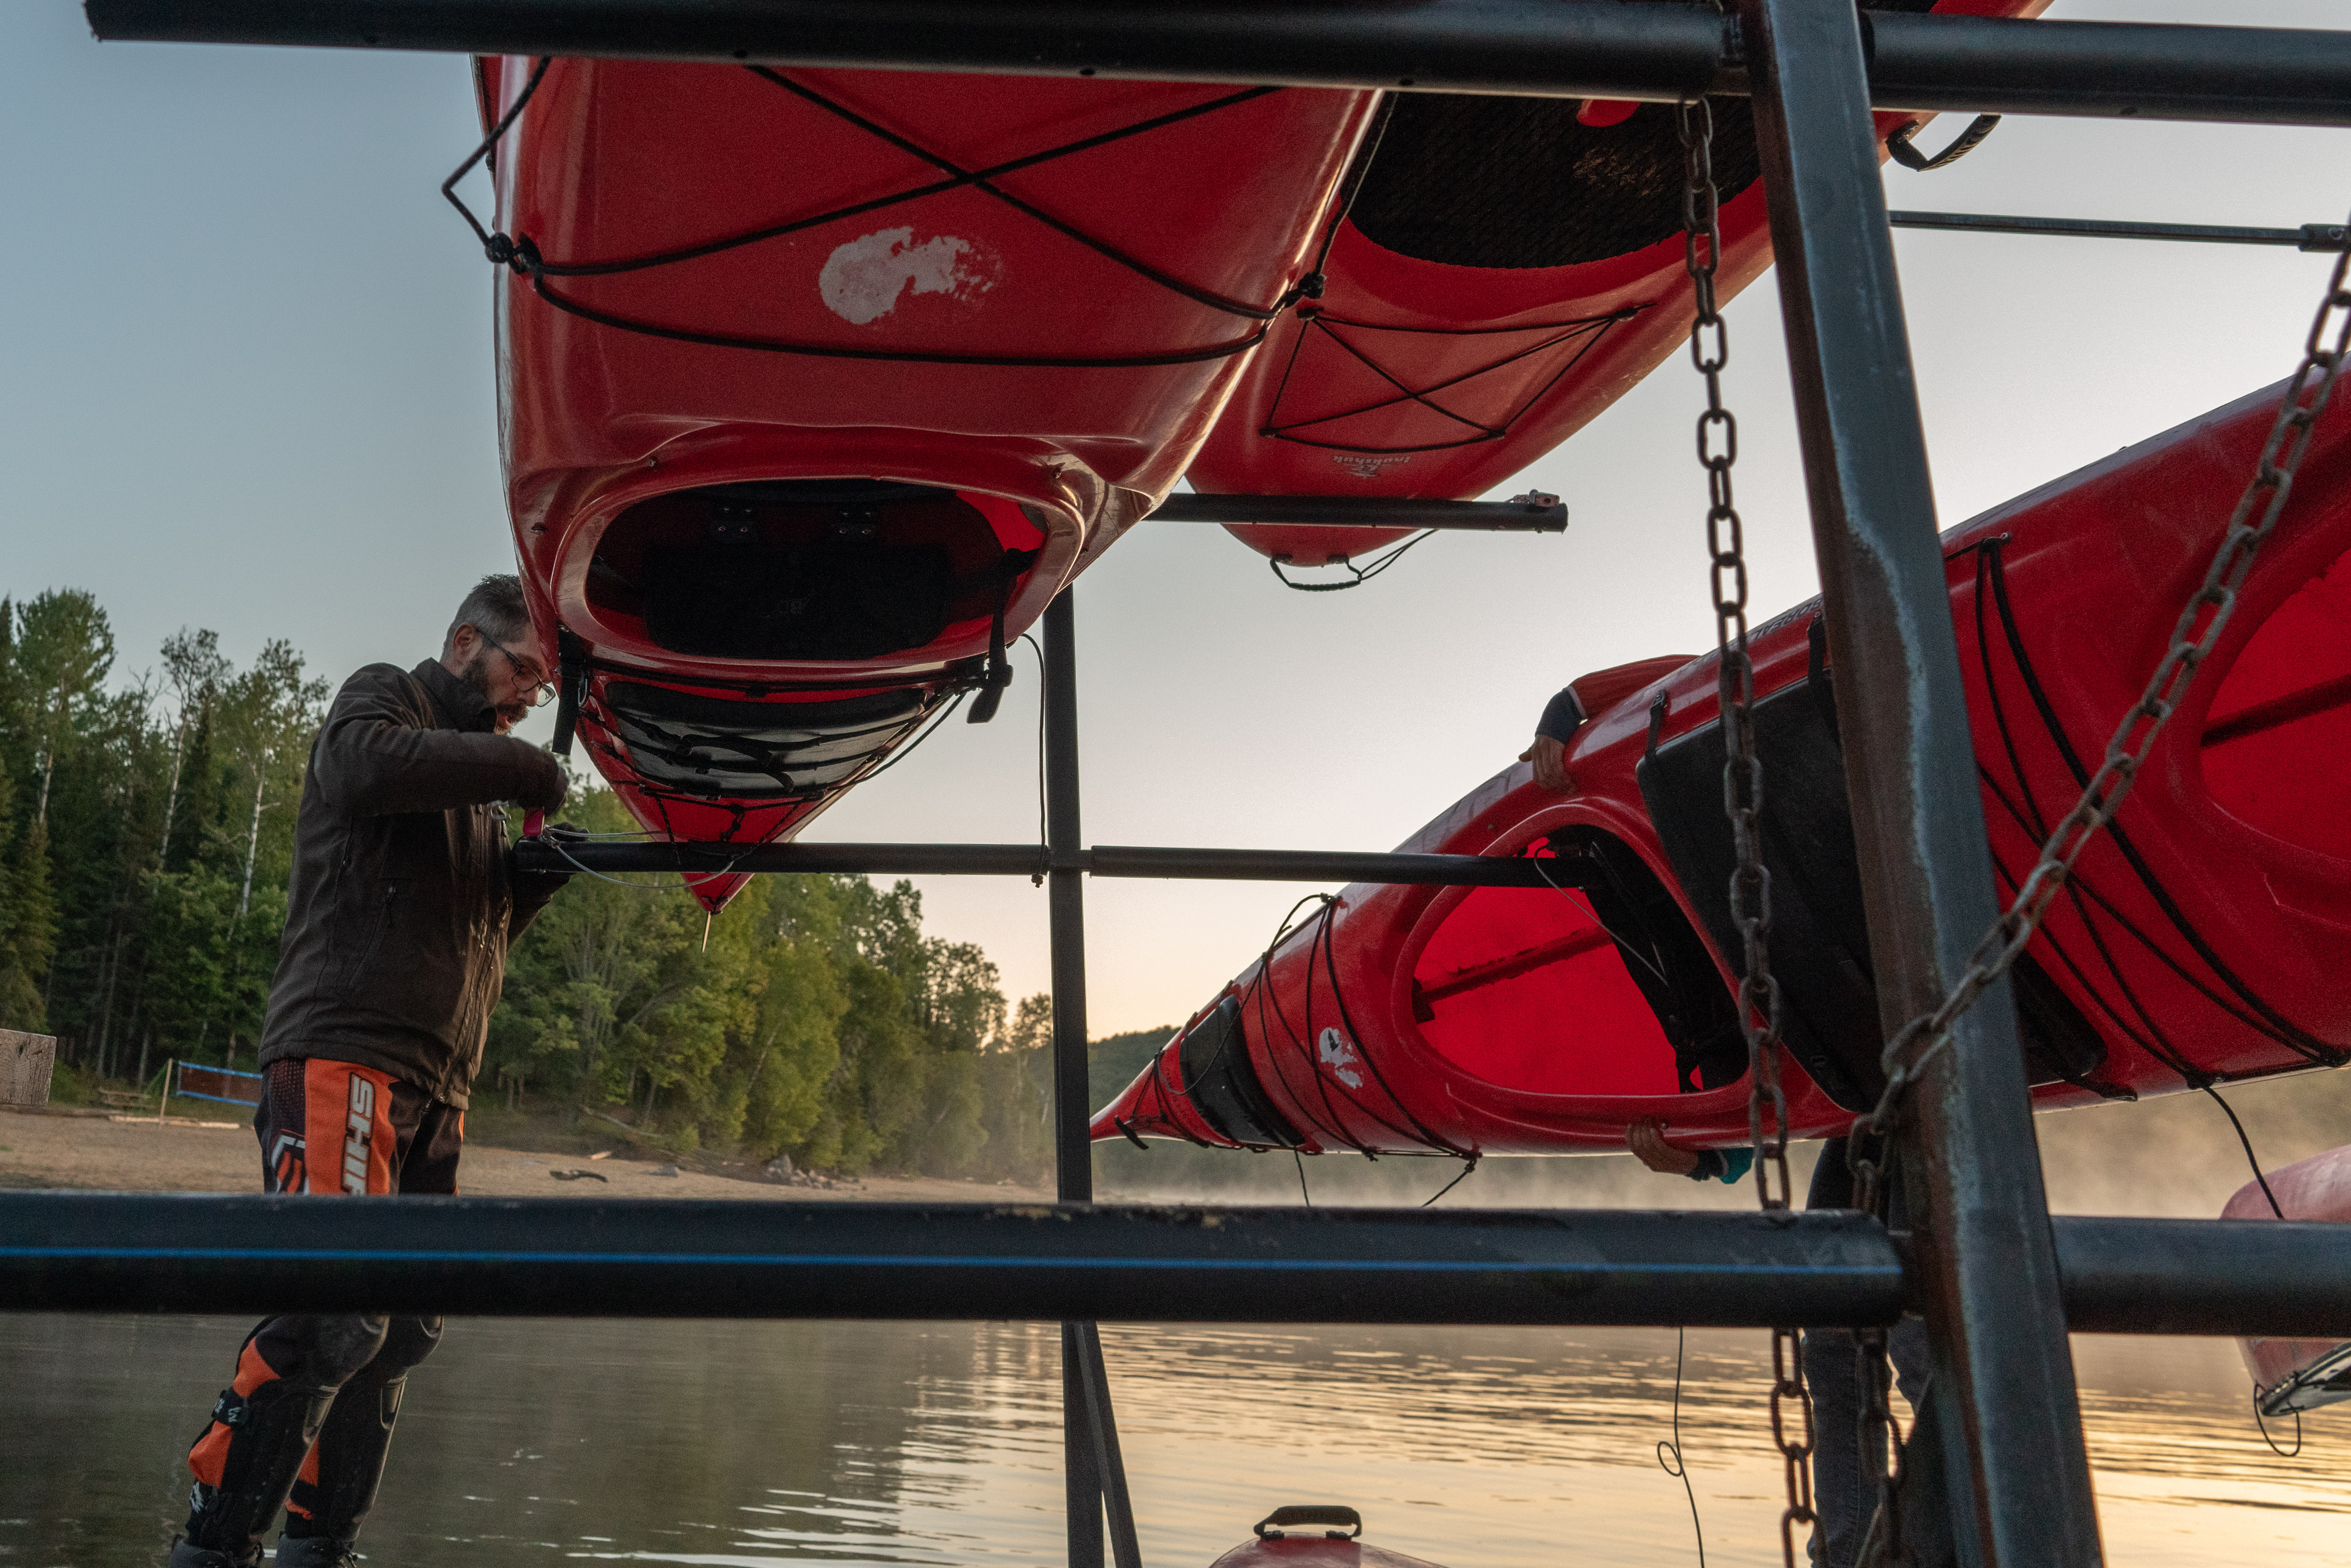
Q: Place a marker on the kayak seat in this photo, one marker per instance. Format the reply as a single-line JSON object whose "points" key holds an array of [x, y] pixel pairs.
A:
{"points": [[1820, 939], [730, 748], [1450, 177]]}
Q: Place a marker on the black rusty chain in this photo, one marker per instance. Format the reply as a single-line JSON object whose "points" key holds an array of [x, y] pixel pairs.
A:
{"points": [[1743, 771], [1882, 1542], [1742, 781], [2199, 628]]}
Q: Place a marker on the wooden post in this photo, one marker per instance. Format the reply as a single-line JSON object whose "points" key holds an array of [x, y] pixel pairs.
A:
{"points": [[27, 1061], [165, 1102]]}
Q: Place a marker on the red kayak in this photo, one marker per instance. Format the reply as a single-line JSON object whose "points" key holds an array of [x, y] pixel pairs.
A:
{"points": [[2203, 938], [1313, 1536], [1508, 267], [2296, 1374], [816, 386]]}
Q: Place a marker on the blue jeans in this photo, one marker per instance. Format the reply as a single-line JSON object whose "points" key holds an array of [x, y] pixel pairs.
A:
{"points": [[1843, 1495]]}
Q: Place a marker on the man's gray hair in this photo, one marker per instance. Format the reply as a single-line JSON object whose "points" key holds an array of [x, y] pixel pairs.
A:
{"points": [[495, 608]]}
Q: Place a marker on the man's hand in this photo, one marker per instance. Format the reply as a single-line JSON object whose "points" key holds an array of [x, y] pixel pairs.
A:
{"points": [[549, 790], [1647, 1141], [1550, 757]]}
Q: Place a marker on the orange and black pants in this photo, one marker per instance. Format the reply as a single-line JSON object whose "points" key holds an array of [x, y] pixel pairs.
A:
{"points": [[306, 1421]]}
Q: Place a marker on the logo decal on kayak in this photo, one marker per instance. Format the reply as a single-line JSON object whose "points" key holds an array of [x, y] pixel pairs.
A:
{"points": [[864, 280], [1365, 465], [1338, 1053]]}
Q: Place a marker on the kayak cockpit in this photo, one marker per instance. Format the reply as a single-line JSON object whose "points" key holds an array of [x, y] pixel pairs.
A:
{"points": [[811, 571], [1597, 986]]}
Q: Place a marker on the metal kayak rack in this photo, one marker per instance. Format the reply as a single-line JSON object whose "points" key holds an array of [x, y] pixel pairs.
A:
{"points": [[1997, 1280]]}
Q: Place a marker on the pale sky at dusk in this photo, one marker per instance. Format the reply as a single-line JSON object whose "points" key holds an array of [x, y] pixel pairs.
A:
{"points": [[245, 384]]}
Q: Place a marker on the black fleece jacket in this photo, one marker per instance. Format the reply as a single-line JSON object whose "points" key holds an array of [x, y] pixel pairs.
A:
{"points": [[404, 896]]}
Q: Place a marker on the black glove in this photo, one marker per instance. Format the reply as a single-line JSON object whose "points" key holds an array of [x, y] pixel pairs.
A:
{"points": [[551, 787]]}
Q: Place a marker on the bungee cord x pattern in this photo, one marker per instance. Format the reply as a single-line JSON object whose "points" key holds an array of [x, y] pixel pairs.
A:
{"points": [[521, 254], [1583, 330]]}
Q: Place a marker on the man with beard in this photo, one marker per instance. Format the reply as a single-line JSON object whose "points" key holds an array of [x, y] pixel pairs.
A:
{"points": [[403, 904]]}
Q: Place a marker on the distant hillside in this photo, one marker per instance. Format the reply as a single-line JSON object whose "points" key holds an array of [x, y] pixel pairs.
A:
{"points": [[1113, 1063]]}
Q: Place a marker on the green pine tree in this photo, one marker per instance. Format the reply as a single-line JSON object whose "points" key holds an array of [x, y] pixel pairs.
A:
{"points": [[28, 936]]}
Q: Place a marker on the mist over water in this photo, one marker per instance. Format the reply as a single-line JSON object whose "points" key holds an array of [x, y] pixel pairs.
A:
{"points": [[2172, 1156]]}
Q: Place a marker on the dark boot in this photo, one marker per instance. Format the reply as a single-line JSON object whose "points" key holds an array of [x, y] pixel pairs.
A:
{"points": [[187, 1554], [313, 1551], [271, 1431]]}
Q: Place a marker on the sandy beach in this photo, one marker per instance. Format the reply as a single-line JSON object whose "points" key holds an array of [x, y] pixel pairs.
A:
{"points": [[48, 1148]]}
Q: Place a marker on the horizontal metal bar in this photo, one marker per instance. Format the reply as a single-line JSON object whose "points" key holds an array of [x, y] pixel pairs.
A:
{"points": [[627, 856], [671, 1258], [656, 1257], [2129, 70], [2308, 238], [2281, 1279], [1314, 866], [1562, 49], [1031, 860], [1547, 515]]}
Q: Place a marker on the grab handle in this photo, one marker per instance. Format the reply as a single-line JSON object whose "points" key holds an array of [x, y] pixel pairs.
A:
{"points": [[1275, 1525]]}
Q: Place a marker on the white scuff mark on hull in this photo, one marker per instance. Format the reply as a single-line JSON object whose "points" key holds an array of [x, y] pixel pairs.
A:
{"points": [[1338, 1053], [864, 280]]}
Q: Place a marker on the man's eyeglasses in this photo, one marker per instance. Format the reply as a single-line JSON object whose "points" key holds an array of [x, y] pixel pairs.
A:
{"points": [[542, 690]]}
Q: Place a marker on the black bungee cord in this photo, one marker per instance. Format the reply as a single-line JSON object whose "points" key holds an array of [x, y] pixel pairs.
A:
{"points": [[2263, 1426], [1992, 571], [2250, 1158], [1355, 1036], [1468, 1166], [1361, 574], [520, 254], [2282, 1029], [1586, 330], [1670, 1450]]}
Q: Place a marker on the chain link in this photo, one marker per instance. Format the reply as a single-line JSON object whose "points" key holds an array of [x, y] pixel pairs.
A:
{"points": [[1742, 772], [1742, 783], [1882, 1542], [2199, 628], [1788, 1391]]}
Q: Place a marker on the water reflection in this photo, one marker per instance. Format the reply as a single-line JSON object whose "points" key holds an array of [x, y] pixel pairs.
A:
{"points": [[761, 1444]]}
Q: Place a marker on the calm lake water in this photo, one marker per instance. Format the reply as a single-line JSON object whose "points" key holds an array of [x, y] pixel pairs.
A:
{"points": [[887, 1444]]}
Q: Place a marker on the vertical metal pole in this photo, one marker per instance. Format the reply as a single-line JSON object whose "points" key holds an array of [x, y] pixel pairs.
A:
{"points": [[1065, 892], [1093, 1469], [1110, 1463], [2018, 1476], [1073, 1179], [1080, 1472]]}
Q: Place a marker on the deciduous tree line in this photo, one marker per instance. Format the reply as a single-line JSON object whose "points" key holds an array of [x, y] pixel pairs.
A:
{"points": [[146, 835]]}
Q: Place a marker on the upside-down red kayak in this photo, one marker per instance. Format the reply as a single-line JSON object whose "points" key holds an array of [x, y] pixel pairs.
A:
{"points": [[2296, 1374], [1506, 268], [817, 385], [1314, 1535], [2204, 937]]}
